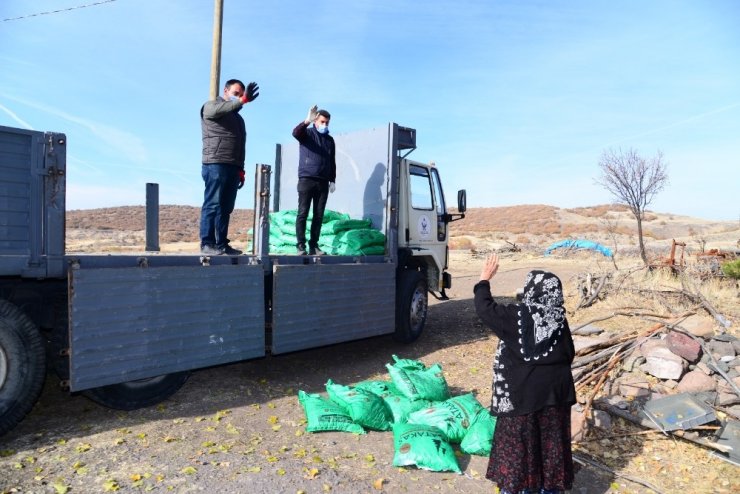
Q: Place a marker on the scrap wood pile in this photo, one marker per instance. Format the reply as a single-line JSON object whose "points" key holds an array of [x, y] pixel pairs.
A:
{"points": [[416, 405], [680, 373]]}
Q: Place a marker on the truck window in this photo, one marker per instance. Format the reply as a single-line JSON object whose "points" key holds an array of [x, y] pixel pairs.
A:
{"points": [[421, 188], [441, 207]]}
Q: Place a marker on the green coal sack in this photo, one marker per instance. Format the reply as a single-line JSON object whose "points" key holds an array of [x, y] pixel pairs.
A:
{"points": [[416, 382], [323, 414], [399, 406], [424, 446], [478, 439], [380, 388], [358, 239], [365, 408], [341, 225], [453, 416]]}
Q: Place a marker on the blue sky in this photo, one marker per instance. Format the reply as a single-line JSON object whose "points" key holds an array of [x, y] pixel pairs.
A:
{"points": [[514, 100]]}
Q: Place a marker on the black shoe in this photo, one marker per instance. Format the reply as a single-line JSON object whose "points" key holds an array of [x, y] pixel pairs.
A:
{"points": [[301, 250], [210, 250], [230, 251], [315, 251]]}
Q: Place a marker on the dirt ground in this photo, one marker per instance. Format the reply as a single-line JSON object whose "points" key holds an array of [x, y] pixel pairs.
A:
{"points": [[240, 428]]}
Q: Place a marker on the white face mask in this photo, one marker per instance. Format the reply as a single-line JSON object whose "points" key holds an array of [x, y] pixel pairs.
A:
{"points": [[323, 129]]}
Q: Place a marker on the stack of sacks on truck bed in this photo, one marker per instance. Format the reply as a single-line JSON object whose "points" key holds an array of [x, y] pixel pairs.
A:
{"points": [[340, 234], [416, 405]]}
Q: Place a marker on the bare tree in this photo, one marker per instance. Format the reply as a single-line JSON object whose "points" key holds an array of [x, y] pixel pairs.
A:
{"points": [[633, 181], [611, 227]]}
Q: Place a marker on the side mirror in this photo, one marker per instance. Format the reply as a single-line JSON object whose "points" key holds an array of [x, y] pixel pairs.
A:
{"points": [[462, 200]]}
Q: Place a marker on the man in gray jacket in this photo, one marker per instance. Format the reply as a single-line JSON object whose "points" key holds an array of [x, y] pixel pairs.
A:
{"points": [[224, 144]]}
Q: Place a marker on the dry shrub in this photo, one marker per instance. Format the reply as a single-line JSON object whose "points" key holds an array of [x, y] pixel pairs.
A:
{"points": [[648, 216], [598, 211], [461, 243], [578, 230]]}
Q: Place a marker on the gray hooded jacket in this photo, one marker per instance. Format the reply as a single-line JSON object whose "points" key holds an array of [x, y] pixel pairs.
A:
{"points": [[224, 132]]}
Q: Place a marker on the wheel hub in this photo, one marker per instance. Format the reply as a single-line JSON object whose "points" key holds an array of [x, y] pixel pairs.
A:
{"points": [[3, 367], [417, 308]]}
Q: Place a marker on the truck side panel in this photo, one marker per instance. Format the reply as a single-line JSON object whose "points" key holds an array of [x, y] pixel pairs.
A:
{"points": [[317, 305], [134, 323], [32, 165]]}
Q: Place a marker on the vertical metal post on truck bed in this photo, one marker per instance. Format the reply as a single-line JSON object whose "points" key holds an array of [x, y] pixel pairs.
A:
{"points": [[261, 229]]}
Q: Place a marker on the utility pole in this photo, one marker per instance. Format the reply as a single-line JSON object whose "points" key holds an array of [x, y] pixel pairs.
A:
{"points": [[218, 19]]}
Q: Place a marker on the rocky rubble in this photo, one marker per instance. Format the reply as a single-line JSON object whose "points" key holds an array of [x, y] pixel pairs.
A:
{"points": [[694, 358]]}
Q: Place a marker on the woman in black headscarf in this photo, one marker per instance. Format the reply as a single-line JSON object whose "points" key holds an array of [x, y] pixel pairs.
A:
{"points": [[533, 387]]}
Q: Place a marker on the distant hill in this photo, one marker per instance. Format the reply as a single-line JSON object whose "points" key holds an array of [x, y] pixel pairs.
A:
{"points": [[517, 224]]}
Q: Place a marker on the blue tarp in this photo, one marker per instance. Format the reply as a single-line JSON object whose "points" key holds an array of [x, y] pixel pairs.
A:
{"points": [[579, 244]]}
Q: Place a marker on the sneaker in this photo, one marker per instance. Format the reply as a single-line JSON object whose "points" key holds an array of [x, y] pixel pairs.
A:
{"points": [[301, 250], [315, 251], [230, 251], [210, 250]]}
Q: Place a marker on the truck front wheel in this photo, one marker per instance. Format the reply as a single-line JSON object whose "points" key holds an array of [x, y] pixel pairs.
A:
{"points": [[22, 365], [411, 306], [138, 394]]}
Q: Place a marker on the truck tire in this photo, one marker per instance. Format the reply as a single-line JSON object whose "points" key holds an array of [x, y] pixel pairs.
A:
{"points": [[138, 394], [22, 365], [411, 306]]}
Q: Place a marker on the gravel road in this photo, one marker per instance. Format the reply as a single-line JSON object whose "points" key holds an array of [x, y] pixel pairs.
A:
{"points": [[240, 428]]}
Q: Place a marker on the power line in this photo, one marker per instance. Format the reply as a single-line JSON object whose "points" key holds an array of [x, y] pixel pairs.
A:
{"points": [[58, 11]]}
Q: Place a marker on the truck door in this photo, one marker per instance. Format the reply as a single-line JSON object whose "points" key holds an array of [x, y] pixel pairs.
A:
{"points": [[426, 227]]}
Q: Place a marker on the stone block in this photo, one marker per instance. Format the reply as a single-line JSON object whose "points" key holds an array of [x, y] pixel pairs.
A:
{"points": [[721, 348], [634, 360], [696, 381], [704, 368], [634, 387], [728, 399], [578, 426], [683, 346], [670, 384], [699, 326], [601, 419], [736, 345], [664, 364], [648, 345]]}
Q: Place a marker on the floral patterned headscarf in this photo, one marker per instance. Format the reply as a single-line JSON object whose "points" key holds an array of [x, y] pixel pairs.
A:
{"points": [[541, 315]]}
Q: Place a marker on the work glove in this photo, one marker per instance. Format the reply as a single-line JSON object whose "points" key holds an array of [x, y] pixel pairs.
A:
{"points": [[253, 90], [241, 179], [332, 187], [313, 114]]}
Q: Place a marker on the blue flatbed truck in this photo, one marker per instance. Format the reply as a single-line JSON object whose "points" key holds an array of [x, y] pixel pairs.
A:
{"points": [[126, 330]]}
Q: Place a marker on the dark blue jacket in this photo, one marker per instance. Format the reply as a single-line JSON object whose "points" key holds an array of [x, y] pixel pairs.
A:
{"points": [[317, 156]]}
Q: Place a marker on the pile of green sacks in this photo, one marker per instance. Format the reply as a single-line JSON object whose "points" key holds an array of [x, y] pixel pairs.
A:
{"points": [[340, 234], [416, 405]]}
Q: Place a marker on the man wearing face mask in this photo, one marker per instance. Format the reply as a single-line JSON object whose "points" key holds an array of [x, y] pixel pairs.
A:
{"points": [[317, 172], [224, 143]]}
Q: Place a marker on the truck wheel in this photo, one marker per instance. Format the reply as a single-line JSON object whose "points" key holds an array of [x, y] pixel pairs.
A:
{"points": [[411, 306], [138, 394], [22, 365]]}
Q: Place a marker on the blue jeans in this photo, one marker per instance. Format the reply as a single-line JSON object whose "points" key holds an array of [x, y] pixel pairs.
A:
{"points": [[222, 181], [316, 191]]}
